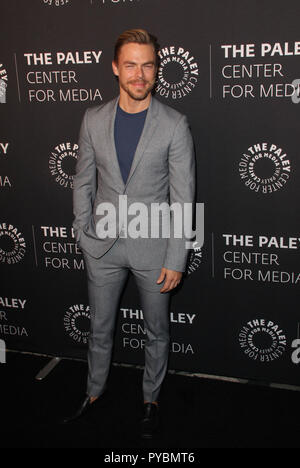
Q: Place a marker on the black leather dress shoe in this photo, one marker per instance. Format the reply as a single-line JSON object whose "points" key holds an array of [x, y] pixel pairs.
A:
{"points": [[150, 420], [81, 411]]}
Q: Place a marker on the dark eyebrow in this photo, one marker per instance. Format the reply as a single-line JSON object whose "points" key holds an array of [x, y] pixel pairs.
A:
{"points": [[127, 62]]}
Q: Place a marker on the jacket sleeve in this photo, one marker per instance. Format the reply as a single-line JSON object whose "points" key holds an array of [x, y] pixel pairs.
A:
{"points": [[84, 188], [181, 192]]}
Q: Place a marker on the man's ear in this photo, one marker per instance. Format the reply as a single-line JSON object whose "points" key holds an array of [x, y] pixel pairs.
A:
{"points": [[115, 68]]}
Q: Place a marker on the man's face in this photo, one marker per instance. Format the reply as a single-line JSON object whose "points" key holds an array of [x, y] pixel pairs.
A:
{"points": [[136, 69]]}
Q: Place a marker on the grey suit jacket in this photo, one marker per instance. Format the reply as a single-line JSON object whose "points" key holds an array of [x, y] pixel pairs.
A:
{"points": [[163, 170]]}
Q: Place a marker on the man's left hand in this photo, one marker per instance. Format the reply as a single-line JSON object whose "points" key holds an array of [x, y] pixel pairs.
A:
{"points": [[172, 279]]}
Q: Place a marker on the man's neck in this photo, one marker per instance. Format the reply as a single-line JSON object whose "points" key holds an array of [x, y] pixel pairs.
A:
{"points": [[133, 106]]}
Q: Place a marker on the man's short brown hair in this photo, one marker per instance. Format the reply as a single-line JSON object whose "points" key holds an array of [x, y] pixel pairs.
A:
{"points": [[137, 36]]}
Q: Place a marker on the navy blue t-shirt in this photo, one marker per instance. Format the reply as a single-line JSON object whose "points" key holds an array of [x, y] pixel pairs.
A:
{"points": [[128, 130]]}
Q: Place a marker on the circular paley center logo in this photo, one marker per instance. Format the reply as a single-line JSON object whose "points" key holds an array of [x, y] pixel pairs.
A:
{"points": [[178, 73], [265, 168], [12, 244], [194, 259], [262, 340], [3, 82], [77, 323], [56, 2], [62, 163]]}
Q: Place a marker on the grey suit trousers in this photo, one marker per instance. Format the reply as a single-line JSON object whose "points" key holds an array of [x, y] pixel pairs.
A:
{"points": [[106, 278]]}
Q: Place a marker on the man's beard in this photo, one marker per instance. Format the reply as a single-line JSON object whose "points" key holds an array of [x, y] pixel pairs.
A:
{"points": [[138, 96]]}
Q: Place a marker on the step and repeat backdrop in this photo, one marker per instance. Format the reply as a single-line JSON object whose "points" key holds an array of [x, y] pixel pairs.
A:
{"points": [[233, 68]]}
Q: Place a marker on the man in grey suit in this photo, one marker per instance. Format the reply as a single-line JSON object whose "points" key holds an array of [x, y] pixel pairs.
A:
{"points": [[133, 152]]}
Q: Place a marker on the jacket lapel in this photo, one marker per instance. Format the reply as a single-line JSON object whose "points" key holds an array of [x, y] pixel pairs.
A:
{"points": [[146, 136], [148, 130], [112, 153]]}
